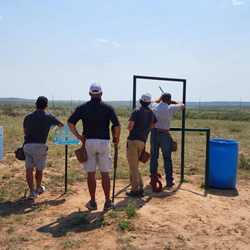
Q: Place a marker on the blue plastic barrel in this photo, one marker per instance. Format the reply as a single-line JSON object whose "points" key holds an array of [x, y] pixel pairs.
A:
{"points": [[223, 160]]}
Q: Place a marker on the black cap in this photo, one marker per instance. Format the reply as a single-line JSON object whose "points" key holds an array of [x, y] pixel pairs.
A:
{"points": [[41, 102], [166, 96]]}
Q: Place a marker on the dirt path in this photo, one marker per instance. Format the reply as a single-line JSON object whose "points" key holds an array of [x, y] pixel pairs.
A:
{"points": [[184, 217]]}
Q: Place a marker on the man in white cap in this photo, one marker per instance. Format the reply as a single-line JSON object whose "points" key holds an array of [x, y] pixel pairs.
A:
{"points": [[140, 123], [96, 116]]}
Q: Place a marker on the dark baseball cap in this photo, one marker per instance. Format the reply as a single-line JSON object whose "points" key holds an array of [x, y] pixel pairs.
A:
{"points": [[166, 96], [41, 102]]}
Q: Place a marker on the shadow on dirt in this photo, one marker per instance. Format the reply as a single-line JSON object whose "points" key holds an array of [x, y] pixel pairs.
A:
{"points": [[149, 194], [222, 192], [25, 206], [81, 221]]}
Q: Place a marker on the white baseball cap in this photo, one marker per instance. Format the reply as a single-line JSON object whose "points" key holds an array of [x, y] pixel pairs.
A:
{"points": [[97, 87], [146, 97]]}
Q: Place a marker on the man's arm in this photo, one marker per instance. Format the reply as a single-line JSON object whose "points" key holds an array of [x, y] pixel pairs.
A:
{"points": [[72, 127], [61, 124], [153, 125], [24, 130], [157, 100], [117, 135], [182, 105], [130, 125]]}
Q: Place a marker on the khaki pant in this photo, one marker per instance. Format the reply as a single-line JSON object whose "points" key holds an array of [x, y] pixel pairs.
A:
{"points": [[134, 151]]}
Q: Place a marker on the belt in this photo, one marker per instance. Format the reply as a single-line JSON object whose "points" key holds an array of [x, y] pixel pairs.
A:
{"points": [[35, 143], [163, 130]]}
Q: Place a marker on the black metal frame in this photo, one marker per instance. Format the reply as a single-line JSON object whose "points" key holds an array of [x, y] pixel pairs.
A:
{"points": [[135, 77]]}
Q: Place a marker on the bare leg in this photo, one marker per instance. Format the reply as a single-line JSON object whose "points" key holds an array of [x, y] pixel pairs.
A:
{"points": [[29, 178], [39, 177], [92, 185], [106, 185]]}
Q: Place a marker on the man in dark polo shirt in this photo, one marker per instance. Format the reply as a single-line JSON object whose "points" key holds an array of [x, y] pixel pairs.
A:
{"points": [[140, 123], [96, 116], [36, 126]]}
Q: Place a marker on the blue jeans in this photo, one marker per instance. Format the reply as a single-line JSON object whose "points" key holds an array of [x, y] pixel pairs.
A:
{"points": [[163, 142]]}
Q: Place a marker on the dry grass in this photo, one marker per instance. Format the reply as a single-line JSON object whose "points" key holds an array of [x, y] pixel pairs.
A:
{"points": [[13, 173]]}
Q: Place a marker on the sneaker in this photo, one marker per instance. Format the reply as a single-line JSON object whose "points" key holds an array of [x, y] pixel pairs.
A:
{"points": [[142, 194], [91, 205], [33, 196], [40, 190], [171, 184], [133, 194], [108, 205]]}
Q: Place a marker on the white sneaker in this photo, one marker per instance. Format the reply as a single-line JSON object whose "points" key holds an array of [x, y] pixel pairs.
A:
{"points": [[33, 196], [40, 190]]}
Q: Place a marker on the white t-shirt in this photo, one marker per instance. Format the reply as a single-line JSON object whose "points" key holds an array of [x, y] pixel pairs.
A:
{"points": [[164, 113]]}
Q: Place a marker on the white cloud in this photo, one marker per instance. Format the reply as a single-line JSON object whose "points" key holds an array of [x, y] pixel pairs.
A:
{"points": [[1, 17], [116, 44], [101, 40], [235, 2], [236, 56]]}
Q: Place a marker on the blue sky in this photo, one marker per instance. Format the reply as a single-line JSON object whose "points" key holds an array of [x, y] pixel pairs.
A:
{"points": [[58, 48]]}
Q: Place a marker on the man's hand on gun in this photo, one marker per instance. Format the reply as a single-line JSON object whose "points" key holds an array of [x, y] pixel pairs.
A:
{"points": [[115, 140]]}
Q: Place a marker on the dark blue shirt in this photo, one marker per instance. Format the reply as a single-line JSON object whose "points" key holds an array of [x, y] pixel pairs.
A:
{"points": [[37, 126], [96, 116], [143, 118]]}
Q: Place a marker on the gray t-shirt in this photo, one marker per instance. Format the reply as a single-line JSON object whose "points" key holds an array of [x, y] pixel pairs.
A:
{"points": [[143, 118], [37, 126]]}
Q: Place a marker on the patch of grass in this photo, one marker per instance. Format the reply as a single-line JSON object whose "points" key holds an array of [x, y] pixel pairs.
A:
{"points": [[179, 237], [113, 214], [187, 181], [25, 193], [195, 216], [58, 214], [130, 209], [73, 243], [41, 207], [56, 178], [128, 247], [235, 129], [202, 184], [49, 164], [6, 174], [244, 162], [23, 238], [125, 225], [10, 230], [46, 247], [15, 169], [70, 233], [123, 240], [80, 218]]}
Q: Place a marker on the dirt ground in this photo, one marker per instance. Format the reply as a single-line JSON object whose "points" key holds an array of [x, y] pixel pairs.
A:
{"points": [[183, 217]]}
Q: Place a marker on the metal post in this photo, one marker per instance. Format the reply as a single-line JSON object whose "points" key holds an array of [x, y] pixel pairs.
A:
{"points": [[183, 132], [134, 92], [66, 167], [207, 160]]}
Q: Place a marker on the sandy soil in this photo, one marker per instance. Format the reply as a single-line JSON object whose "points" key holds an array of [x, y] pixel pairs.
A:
{"points": [[183, 217]]}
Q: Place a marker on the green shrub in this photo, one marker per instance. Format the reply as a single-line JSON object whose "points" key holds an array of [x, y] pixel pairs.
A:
{"points": [[244, 163]]}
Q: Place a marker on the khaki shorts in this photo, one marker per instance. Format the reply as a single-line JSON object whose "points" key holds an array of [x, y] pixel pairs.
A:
{"points": [[98, 153], [35, 155]]}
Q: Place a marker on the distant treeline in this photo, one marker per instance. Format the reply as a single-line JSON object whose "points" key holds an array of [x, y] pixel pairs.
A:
{"points": [[117, 104], [214, 113]]}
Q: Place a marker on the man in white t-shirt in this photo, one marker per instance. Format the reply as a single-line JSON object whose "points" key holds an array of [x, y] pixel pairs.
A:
{"points": [[164, 108]]}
